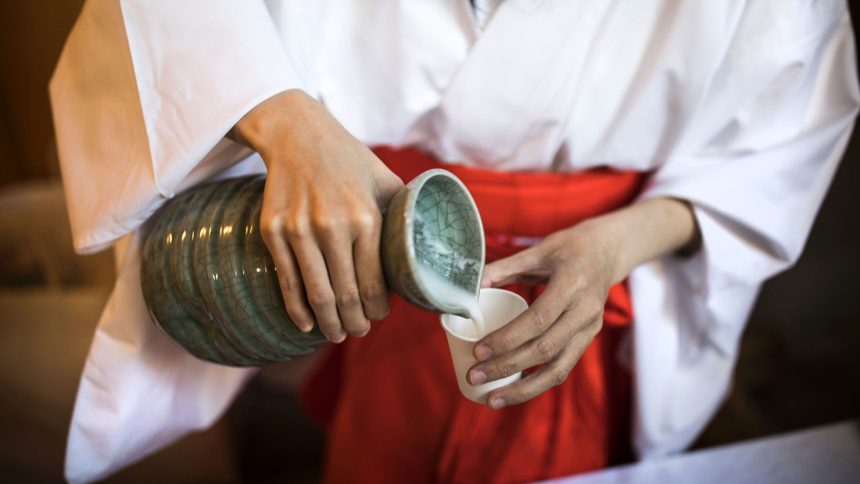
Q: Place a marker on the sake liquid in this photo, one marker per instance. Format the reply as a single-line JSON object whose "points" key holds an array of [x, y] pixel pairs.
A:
{"points": [[453, 295]]}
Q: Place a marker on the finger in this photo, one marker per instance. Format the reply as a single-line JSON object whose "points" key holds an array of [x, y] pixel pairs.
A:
{"points": [[557, 298], [506, 271], [368, 271], [553, 374], [290, 282], [318, 287], [539, 350], [337, 246]]}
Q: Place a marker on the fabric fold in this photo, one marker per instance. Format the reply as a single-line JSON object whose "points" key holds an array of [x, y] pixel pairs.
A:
{"points": [[144, 75], [140, 391], [773, 127]]}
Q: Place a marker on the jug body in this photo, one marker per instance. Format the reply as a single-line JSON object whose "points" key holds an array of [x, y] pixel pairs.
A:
{"points": [[210, 283]]}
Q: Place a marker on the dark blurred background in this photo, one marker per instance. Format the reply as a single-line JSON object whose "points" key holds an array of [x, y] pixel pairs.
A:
{"points": [[799, 363]]}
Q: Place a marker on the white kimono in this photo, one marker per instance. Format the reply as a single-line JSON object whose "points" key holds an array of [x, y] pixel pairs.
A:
{"points": [[742, 108]]}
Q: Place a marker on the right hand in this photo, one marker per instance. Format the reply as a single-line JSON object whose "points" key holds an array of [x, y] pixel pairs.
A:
{"points": [[322, 214]]}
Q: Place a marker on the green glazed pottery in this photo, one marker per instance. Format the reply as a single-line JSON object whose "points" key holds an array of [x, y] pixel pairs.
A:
{"points": [[210, 283], [433, 222]]}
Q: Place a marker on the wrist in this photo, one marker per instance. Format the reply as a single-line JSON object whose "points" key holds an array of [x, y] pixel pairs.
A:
{"points": [[641, 232], [274, 121], [607, 244]]}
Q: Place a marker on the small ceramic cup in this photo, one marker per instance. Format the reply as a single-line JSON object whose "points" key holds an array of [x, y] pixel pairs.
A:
{"points": [[499, 307]]}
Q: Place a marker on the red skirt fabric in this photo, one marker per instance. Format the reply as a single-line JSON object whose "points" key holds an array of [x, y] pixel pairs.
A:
{"points": [[390, 401]]}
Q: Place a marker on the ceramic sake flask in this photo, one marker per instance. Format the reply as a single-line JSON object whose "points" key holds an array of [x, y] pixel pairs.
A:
{"points": [[210, 283]]}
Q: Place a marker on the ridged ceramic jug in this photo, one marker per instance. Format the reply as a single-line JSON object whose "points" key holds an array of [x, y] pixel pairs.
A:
{"points": [[210, 283]]}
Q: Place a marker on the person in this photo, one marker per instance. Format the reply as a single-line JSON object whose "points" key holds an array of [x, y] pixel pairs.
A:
{"points": [[641, 168]]}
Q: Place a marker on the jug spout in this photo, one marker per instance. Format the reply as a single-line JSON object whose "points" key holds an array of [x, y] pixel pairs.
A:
{"points": [[433, 224]]}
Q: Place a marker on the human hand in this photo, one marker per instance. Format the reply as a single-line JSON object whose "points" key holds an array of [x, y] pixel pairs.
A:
{"points": [[577, 267], [322, 214]]}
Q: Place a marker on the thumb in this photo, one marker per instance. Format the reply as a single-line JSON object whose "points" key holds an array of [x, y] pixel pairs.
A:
{"points": [[512, 269]]}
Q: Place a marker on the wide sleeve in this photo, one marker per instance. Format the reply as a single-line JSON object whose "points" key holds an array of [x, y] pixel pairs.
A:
{"points": [[142, 96], [755, 164]]}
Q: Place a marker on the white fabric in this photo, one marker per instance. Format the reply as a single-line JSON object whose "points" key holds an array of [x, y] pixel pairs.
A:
{"points": [[741, 107], [141, 402]]}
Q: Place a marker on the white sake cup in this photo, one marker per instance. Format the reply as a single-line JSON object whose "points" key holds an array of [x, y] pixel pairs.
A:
{"points": [[499, 307]]}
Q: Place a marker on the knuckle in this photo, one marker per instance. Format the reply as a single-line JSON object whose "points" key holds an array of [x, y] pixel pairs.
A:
{"points": [[348, 298], [543, 349], [323, 224], [506, 368], [320, 298], [505, 341], [270, 227], [329, 223], [366, 220], [539, 320], [558, 376], [372, 291], [521, 395], [578, 282], [288, 285], [296, 228]]}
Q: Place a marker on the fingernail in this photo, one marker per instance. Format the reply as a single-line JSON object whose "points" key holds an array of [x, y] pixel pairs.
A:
{"points": [[478, 377], [483, 352], [338, 338], [497, 403], [305, 327]]}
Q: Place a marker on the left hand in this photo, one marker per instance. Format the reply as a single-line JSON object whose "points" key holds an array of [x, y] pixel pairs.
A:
{"points": [[577, 265]]}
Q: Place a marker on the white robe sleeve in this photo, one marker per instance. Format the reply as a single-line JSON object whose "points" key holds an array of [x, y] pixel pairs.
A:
{"points": [[139, 391], [142, 96], [757, 161]]}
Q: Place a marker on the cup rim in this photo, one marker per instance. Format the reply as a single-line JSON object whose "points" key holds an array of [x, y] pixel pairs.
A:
{"points": [[442, 317], [415, 187]]}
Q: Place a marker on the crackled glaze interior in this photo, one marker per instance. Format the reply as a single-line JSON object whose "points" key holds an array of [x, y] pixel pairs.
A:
{"points": [[447, 233]]}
